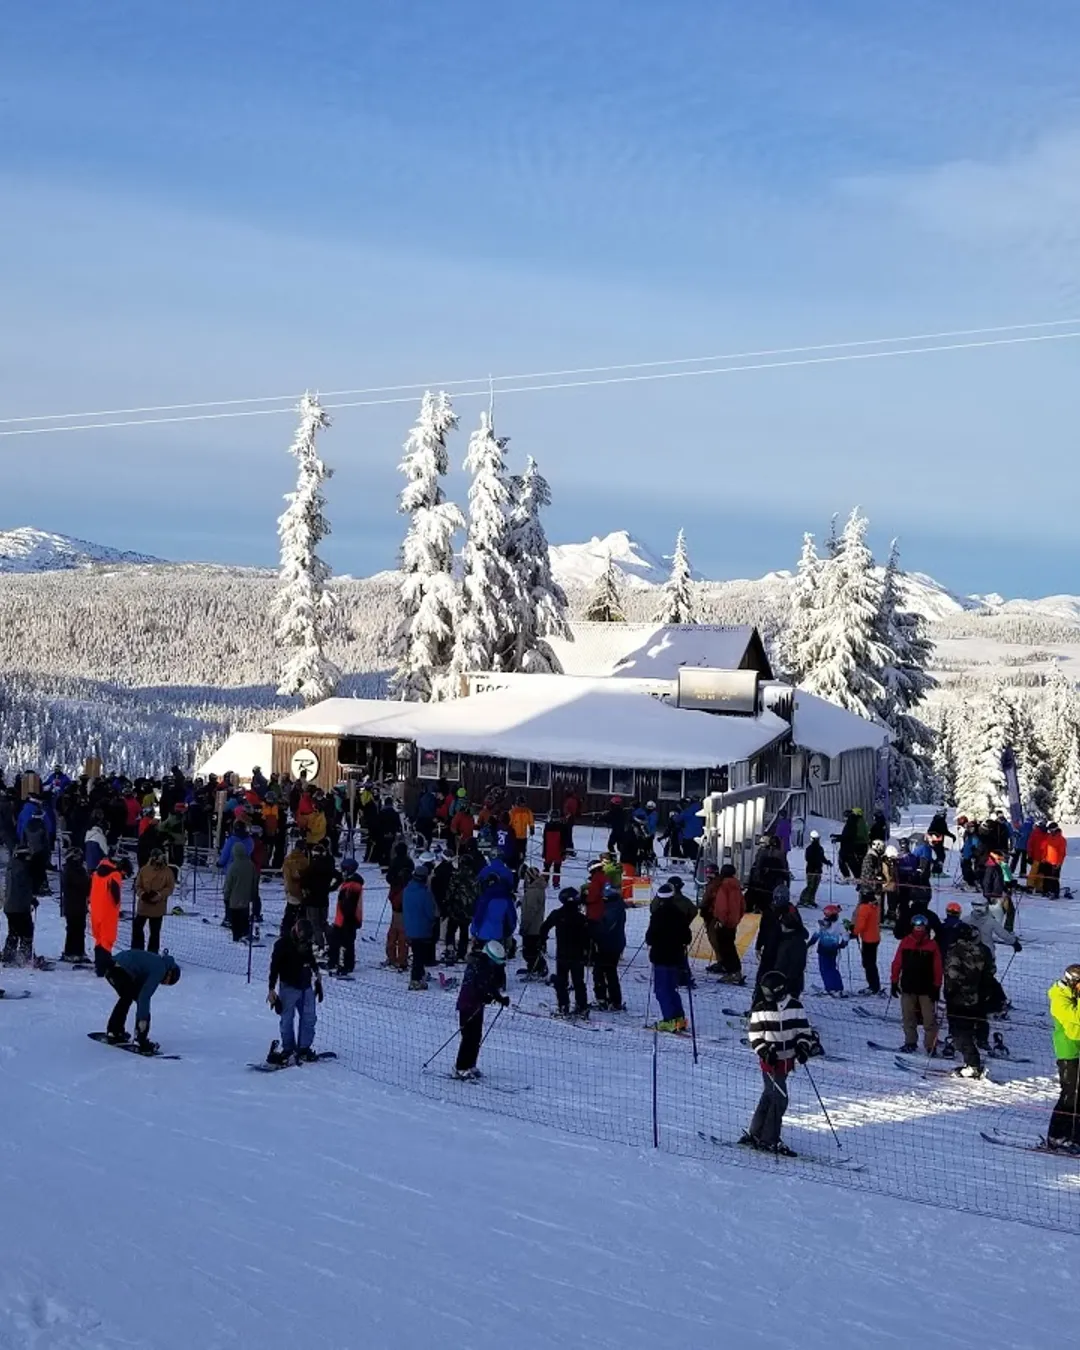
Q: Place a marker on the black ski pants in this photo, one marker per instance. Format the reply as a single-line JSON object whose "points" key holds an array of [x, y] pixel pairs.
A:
{"points": [[342, 954], [567, 973], [472, 1033], [1065, 1121], [138, 933], [126, 993], [606, 987], [240, 924], [75, 935], [532, 950], [869, 965]]}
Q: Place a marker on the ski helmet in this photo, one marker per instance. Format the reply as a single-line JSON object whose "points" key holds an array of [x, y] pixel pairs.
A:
{"points": [[920, 921], [665, 891], [569, 895], [831, 911], [773, 985], [892, 851], [814, 834], [954, 907], [1071, 978], [496, 952], [349, 866], [980, 904]]}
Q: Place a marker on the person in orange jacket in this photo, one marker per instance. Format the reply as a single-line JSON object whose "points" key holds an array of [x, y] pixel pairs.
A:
{"points": [[866, 927], [1036, 851], [1054, 850], [522, 821], [106, 893], [594, 892], [722, 908], [348, 920]]}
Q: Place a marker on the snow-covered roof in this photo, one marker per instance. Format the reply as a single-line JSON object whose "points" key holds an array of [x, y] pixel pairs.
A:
{"points": [[652, 650], [829, 729], [556, 721], [242, 752]]}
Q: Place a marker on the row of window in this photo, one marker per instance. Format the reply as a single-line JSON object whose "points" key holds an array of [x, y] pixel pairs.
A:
{"points": [[522, 773]]}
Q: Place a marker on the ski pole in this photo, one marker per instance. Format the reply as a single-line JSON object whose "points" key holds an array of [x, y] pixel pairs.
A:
{"points": [[491, 1027], [635, 955], [825, 1113], [454, 1037], [1008, 967], [693, 1025], [888, 1003]]}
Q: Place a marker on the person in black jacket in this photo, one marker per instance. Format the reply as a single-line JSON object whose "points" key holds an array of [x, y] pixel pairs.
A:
{"points": [[74, 900], [320, 879], [668, 936], [937, 832], [816, 862], [295, 988], [572, 942], [786, 951]]}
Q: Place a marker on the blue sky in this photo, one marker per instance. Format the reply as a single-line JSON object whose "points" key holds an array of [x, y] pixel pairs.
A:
{"points": [[210, 202]]}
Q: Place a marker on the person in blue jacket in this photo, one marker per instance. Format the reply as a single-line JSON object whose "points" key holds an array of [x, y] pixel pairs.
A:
{"points": [[135, 975], [609, 943], [691, 828], [830, 939], [420, 918], [238, 839], [495, 916], [1019, 864]]}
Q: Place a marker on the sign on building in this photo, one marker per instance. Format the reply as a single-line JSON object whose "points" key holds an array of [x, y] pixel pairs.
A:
{"points": [[304, 764], [719, 691]]}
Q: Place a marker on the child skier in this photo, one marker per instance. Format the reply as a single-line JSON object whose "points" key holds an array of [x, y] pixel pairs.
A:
{"points": [[779, 1035], [483, 982], [831, 940], [348, 920], [572, 942]]}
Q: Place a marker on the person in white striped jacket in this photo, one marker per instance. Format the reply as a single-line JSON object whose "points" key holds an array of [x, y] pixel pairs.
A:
{"points": [[780, 1036]]}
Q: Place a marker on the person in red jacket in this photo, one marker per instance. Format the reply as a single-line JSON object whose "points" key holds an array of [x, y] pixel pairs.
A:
{"points": [[554, 844], [916, 978], [348, 920], [722, 908], [594, 892]]}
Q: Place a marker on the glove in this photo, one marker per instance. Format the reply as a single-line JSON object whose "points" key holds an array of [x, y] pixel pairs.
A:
{"points": [[273, 1000], [1016, 946], [769, 1055], [802, 1052], [503, 1000], [318, 991], [895, 991]]}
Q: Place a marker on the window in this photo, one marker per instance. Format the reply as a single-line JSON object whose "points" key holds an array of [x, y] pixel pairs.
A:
{"points": [[450, 765], [695, 783], [691, 783], [671, 784], [540, 775], [600, 781], [427, 764], [436, 764], [622, 782], [523, 773]]}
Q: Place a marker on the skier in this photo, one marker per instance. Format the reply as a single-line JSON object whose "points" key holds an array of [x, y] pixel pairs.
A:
{"points": [[1054, 849], [997, 887], [726, 907], [74, 898], [135, 975], [879, 828], [533, 910], [155, 882], [294, 872], [779, 1035], [853, 840], [348, 920], [421, 921], [948, 931], [937, 832], [484, 982], [460, 906], [240, 892], [295, 988], [572, 942], [668, 936], [872, 874], [786, 950], [106, 884], [969, 851], [398, 875], [816, 862], [830, 939], [1019, 862], [985, 922], [319, 880], [20, 901], [916, 978], [967, 975], [866, 930], [1064, 1132], [609, 943], [495, 916]]}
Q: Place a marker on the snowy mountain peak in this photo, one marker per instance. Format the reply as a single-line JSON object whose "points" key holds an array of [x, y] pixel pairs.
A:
{"points": [[28, 550], [582, 564]]}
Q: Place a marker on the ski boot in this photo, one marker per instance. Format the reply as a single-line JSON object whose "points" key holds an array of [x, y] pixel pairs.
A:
{"points": [[998, 1047], [417, 986], [782, 1151], [118, 1037], [947, 1050], [466, 1075], [908, 1048], [715, 969]]}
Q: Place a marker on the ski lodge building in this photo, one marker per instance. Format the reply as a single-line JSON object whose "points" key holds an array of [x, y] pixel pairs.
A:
{"points": [[644, 711]]}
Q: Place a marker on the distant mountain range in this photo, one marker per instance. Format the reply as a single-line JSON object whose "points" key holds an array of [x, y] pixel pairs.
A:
{"points": [[574, 565]]}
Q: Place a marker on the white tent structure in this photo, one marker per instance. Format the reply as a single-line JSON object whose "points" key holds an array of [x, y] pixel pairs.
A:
{"points": [[239, 754]]}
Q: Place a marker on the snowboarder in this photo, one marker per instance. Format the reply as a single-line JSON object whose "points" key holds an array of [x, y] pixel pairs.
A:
{"points": [[779, 1035], [421, 921], [74, 898], [816, 862], [348, 920], [668, 936], [609, 943], [484, 982], [572, 942], [866, 930], [967, 976], [155, 882], [1064, 1131], [916, 979], [20, 901], [295, 989], [135, 976], [830, 940]]}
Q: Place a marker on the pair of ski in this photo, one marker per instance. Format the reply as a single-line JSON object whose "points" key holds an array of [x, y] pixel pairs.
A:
{"points": [[923, 1064], [504, 1089], [1027, 1145], [839, 1163]]}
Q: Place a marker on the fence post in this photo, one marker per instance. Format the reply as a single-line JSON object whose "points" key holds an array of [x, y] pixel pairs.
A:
{"points": [[655, 1093], [251, 939]]}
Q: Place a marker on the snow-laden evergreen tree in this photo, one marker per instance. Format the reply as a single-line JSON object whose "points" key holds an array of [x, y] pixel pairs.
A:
{"points": [[677, 603], [803, 618], [1067, 806], [941, 777], [843, 656], [605, 602], [487, 595], [539, 601], [905, 681], [1059, 731], [832, 541], [305, 608], [982, 734], [424, 641]]}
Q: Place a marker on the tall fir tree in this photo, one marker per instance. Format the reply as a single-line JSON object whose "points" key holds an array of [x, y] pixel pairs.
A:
{"points": [[941, 780], [843, 656], [803, 614], [306, 609], [905, 681], [1059, 729], [677, 603], [540, 603], [605, 603], [983, 734], [424, 641], [487, 595]]}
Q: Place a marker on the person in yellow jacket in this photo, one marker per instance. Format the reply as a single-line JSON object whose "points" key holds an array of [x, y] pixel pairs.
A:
{"points": [[316, 826], [1064, 1132], [522, 820]]}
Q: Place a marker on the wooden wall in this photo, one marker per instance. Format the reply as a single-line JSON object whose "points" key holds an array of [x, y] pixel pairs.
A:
{"points": [[324, 747]]}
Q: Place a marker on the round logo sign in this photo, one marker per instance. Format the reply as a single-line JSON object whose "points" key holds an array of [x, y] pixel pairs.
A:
{"points": [[304, 764]]}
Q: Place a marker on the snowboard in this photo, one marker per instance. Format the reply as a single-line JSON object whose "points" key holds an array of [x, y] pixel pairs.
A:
{"points": [[102, 1038], [839, 1163], [14, 998], [1026, 1145], [266, 1067]]}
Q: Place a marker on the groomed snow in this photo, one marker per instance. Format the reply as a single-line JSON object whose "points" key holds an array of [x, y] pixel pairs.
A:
{"points": [[559, 721]]}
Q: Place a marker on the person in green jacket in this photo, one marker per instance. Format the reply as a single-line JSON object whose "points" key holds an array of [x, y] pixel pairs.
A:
{"points": [[1064, 1132]]}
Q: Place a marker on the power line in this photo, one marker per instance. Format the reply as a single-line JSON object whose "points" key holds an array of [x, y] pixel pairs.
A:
{"points": [[567, 384], [451, 385]]}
